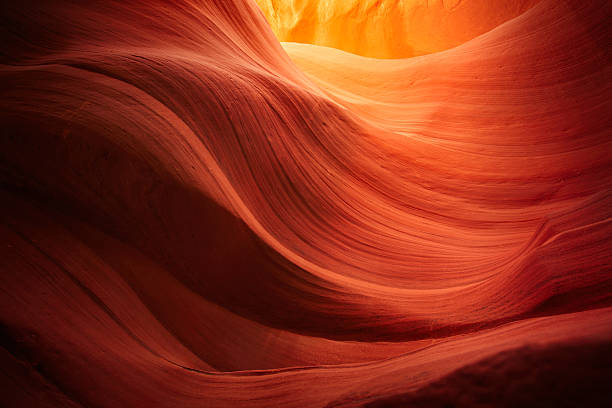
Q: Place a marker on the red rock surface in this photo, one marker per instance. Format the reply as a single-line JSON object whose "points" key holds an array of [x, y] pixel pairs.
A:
{"points": [[191, 218]]}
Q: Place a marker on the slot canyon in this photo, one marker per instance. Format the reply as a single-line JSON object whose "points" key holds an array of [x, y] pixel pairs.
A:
{"points": [[301, 203]]}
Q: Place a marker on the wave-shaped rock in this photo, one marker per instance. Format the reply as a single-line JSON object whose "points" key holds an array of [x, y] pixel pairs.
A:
{"points": [[195, 215]]}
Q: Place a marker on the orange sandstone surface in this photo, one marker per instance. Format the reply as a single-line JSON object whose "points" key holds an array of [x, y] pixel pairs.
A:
{"points": [[194, 215], [388, 28]]}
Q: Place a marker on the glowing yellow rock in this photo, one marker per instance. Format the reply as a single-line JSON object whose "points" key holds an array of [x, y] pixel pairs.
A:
{"points": [[387, 28]]}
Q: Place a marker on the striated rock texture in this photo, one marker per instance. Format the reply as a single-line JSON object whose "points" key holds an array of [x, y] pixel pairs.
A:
{"points": [[388, 28], [192, 215]]}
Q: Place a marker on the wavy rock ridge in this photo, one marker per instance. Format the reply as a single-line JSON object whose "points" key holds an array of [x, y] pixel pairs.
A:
{"points": [[193, 215]]}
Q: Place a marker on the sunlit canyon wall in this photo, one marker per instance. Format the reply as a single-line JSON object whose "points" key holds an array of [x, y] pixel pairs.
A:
{"points": [[194, 214]]}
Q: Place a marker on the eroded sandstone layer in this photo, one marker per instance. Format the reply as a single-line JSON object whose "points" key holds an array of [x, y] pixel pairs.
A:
{"points": [[192, 215]]}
